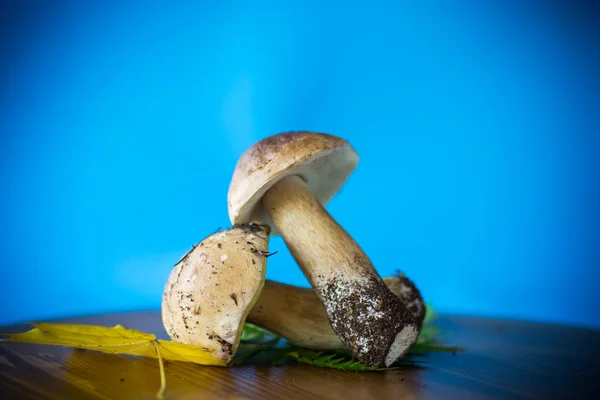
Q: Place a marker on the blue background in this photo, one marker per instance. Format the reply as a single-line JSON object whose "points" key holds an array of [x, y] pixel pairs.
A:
{"points": [[477, 124]]}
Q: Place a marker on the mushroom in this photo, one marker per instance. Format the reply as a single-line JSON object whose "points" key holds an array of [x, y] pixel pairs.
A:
{"points": [[211, 290], [298, 315], [284, 181], [216, 286]]}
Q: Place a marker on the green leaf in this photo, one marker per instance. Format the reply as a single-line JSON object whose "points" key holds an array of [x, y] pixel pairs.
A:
{"points": [[255, 340], [253, 334], [429, 315], [331, 360]]}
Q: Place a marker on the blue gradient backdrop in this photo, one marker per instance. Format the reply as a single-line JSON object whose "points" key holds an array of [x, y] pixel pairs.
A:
{"points": [[477, 124]]}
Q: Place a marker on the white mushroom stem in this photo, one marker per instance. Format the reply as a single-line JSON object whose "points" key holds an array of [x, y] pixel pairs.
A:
{"points": [[298, 315], [368, 318]]}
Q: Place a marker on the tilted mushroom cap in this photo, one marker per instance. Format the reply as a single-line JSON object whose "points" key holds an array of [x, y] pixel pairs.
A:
{"points": [[323, 161], [211, 290]]}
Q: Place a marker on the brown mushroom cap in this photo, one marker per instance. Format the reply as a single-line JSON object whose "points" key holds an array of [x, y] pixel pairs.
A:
{"points": [[211, 290], [323, 161]]}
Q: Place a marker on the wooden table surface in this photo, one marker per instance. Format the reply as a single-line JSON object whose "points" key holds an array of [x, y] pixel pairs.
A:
{"points": [[502, 360]]}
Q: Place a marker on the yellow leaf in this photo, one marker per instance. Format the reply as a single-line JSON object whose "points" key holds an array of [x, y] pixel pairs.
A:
{"points": [[115, 340]]}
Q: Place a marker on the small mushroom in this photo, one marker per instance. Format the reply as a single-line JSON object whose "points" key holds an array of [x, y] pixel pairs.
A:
{"points": [[211, 290], [284, 181], [298, 315]]}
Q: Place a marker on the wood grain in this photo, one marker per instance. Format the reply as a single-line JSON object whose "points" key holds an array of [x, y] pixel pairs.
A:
{"points": [[502, 360]]}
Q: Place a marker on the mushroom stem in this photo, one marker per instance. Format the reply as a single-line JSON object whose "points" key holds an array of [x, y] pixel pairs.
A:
{"points": [[368, 318], [321, 247], [295, 313], [298, 315]]}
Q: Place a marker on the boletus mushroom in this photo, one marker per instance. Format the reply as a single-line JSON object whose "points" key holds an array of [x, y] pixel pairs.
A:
{"points": [[298, 315], [211, 290], [216, 287], [285, 181]]}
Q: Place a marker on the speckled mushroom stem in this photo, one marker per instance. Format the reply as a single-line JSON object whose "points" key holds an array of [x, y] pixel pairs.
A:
{"points": [[298, 315], [368, 318]]}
